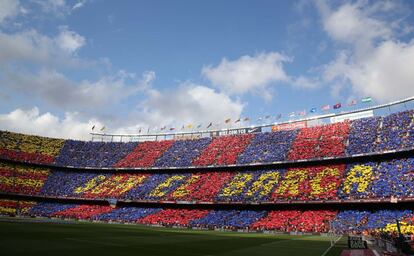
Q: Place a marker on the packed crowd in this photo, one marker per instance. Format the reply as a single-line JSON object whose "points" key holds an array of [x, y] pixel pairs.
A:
{"points": [[29, 148], [22, 179], [357, 221], [96, 154], [362, 180], [366, 135], [223, 150], [320, 141], [295, 220]]}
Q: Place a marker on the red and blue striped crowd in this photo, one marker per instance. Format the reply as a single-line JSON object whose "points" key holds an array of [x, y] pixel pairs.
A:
{"points": [[345, 181]]}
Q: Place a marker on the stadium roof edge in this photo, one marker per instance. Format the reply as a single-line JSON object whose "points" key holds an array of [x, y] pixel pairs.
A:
{"points": [[312, 118]]}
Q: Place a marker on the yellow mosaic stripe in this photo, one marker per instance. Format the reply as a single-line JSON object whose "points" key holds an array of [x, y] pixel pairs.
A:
{"points": [[265, 184], [182, 190], [315, 183], [162, 188], [237, 185], [30, 143], [359, 174]]}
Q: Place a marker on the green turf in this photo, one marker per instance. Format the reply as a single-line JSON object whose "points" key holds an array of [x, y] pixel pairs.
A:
{"points": [[77, 239]]}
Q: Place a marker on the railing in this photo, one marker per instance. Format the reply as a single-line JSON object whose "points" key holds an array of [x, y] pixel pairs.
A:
{"points": [[378, 110]]}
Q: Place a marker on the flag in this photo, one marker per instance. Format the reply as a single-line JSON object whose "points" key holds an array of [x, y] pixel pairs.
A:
{"points": [[366, 100], [337, 105], [238, 120], [148, 129], [103, 128], [259, 119], [227, 120], [189, 126], [302, 113], [93, 127], [246, 119], [313, 110], [353, 102], [172, 129], [182, 128], [292, 114], [209, 125], [139, 130], [267, 117], [163, 128], [198, 126], [279, 116], [326, 107]]}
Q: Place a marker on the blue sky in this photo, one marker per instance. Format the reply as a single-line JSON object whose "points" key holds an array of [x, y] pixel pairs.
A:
{"points": [[68, 65]]}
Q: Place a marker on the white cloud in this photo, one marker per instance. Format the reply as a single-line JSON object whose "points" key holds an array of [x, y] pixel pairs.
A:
{"points": [[374, 63], [31, 46], [385, 73], [69, 41], [248, 73], [78, 5], [351, 23], [8, 9], [59, 91], [33, 122], [190, 103], [58, 8]]}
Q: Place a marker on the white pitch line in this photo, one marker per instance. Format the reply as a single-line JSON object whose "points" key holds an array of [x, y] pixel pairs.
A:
{"points": [[330, 247]]}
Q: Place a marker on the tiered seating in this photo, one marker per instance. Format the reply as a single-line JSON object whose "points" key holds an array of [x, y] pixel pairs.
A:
{"points": [[145, 154], [278, 220], [13, 207], [93, 154], [127, 214], [201, 187], [375, 134], [114, 186], [223, 150], [360, 220], [83, 211], [71, 184], [229, 219], [182, 153], [379, 180], [320, 141], [21, 179], [168, 217], [395, 131], [28, 148], [294, 220], [312, 183], [267, 147], [363, 180], [363, 135]]}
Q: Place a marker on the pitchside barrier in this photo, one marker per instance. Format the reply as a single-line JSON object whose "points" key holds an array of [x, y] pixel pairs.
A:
{"points": [[237, 128]]}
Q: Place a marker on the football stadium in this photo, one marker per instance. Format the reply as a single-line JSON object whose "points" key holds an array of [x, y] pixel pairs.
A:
{"points": [[300, 191], [207, 128]]}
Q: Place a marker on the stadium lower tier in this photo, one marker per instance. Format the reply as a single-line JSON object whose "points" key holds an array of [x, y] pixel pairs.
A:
{"points": [[318, 221], [354, 181], [366, 135]]}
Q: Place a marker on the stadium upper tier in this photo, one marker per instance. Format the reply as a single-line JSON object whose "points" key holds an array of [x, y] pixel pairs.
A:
{"points": [[320, 221], [342, 139], [383, 180]]}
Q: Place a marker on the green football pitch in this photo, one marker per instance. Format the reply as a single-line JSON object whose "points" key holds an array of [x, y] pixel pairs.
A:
{"points": [[77, 239]]}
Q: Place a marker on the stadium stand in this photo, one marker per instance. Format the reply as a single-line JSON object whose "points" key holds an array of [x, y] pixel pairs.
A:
{"points": [[75, 180], [307, 221], [360, 180], [342, 139], [29, 148]]}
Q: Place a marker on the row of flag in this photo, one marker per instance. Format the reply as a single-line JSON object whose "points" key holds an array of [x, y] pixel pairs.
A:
{"points": [[247, 119]]}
